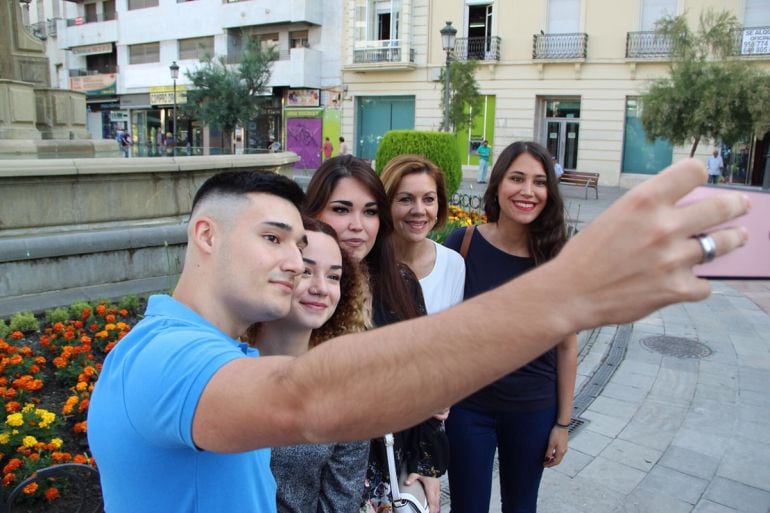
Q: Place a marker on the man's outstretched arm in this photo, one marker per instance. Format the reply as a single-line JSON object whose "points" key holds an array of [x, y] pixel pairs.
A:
{"points": [[633, 259]]}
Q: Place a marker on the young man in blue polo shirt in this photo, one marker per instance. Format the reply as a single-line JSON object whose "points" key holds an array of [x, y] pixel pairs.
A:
{"points": [[182, 415]]}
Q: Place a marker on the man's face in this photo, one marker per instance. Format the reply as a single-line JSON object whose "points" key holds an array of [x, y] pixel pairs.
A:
{"points": [[259, 259]]}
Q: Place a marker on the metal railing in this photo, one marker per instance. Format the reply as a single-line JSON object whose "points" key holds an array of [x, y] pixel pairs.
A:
{"points": [[477, 48], [650, 45], [647, 45], [559, 46], [43, 29], [389, 50], [82, 20], [102, 70]]}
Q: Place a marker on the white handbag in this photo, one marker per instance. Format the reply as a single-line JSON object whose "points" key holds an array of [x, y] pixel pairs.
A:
{"points": [[406, 498]]}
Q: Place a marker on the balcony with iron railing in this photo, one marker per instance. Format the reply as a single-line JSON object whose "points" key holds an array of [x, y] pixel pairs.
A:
{"points": [[74, 32], [382, 54], [559, 46], [749, 41], [477, 48], [43, 29], [93, 18], [647, 45]]}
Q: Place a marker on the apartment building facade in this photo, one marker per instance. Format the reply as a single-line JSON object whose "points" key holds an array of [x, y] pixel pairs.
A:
{"points": [[120, 52], [566, 73]]}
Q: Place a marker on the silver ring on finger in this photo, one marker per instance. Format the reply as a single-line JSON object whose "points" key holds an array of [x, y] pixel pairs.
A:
{"points": [[708, 246]]}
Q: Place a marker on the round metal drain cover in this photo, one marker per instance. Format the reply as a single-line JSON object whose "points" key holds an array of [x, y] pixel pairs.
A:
{"points": [[678, 347]]}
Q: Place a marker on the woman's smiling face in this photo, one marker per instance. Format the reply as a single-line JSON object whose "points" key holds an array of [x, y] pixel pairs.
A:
{"points": [[415, 206], [523, 191]]}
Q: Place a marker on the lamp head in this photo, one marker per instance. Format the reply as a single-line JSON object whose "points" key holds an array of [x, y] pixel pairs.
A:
{"points": [[448, 34], [174, 69]]}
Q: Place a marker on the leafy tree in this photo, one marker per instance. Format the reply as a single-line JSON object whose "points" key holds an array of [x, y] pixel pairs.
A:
{"points": [[463, 92], [710, 93], [224, 95]]}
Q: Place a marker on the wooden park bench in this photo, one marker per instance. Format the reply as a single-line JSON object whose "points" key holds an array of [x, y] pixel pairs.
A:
{"points": [[581, 179]]}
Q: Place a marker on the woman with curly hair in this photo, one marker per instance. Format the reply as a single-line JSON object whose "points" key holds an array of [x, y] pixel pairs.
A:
{"points": [[326, 303], [524, 415], [346, 193]]}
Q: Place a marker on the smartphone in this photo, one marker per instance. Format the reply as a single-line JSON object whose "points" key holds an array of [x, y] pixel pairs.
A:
{"points": [[753, 259]]}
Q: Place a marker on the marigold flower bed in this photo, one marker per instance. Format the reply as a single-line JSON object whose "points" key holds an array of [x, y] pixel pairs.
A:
{"points": [[46, 379]]}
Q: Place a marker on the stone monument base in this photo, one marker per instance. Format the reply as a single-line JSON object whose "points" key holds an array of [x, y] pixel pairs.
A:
{"points": [[57, 149]]}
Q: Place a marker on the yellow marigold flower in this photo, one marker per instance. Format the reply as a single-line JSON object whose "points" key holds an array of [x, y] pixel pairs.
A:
{"points": [[4, 438], [81, 386], [28, 408], [109, 327], [15, 420], [29, 441], [57, 442]]}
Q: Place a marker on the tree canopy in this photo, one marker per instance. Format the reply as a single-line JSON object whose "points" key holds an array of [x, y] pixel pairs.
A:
{"points": [[224, 95], [463, 92], [710, 92]]}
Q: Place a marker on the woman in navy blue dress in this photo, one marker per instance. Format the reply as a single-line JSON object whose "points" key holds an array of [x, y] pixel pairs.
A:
{"points": [[523, 416]]}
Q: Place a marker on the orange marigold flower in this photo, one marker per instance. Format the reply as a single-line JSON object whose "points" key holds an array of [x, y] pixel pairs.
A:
{"points": [[30, 488], [93, 326], [80, 427], [61, 457], [123, 312], [69, 335], [34, 456], [101, 334], [85, 339], [58, 327], [109, 347], [40, 360], [3, 381], [79, 458], [83, 405], [86, 313], [12, 465], [110, 318], [15, 359], [3, 345], [17, 335], [60, 362], [78, 324], [9, 393], [8, 479], [100, 309], [51, 494], [89, 371], [12, 406]]}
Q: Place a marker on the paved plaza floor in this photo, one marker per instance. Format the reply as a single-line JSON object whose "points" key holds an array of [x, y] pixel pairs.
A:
{"points": [[683, 424]]}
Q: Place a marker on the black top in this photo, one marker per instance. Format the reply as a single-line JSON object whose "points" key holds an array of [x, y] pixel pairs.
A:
{"points": [[532, 387], [424, 448]]}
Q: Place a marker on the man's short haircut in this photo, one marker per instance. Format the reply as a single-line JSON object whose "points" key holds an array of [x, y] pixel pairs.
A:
{"points": [[240, 183]]}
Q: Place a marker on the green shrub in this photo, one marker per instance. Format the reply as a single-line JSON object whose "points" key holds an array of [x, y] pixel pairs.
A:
{"points": [[57, 315], [24, 321], [77, 308], [130, 303], [439, 147], [4, 329]]}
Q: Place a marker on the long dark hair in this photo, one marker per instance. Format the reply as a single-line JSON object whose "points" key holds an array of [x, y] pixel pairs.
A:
{"points": [[548, 232], [387, 284]]}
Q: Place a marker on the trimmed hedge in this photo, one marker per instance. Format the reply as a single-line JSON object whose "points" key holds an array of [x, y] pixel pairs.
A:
{"points": [[439, 147]]}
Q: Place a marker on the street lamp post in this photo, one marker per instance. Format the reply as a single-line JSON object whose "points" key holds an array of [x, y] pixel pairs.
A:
{"points": [[174, 68], [448, 34]]}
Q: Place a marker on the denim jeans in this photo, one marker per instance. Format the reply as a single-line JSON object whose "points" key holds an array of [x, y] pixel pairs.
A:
{"points": [[521, 439], [483, 168]]}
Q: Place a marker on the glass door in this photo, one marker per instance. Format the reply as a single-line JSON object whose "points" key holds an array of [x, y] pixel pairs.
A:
{"points": [[562, 130]]}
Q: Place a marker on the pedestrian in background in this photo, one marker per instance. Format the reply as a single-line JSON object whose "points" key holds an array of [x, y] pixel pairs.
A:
{"points": [[483, 152], [327, 149], [715, 165], [524, 416], [557, 169], [343, 147]]}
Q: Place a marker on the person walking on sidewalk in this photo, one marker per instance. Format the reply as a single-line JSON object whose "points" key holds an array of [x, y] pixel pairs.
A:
{"points": [[715, 165], [327, 148], [524, 415], [483, 152]]}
